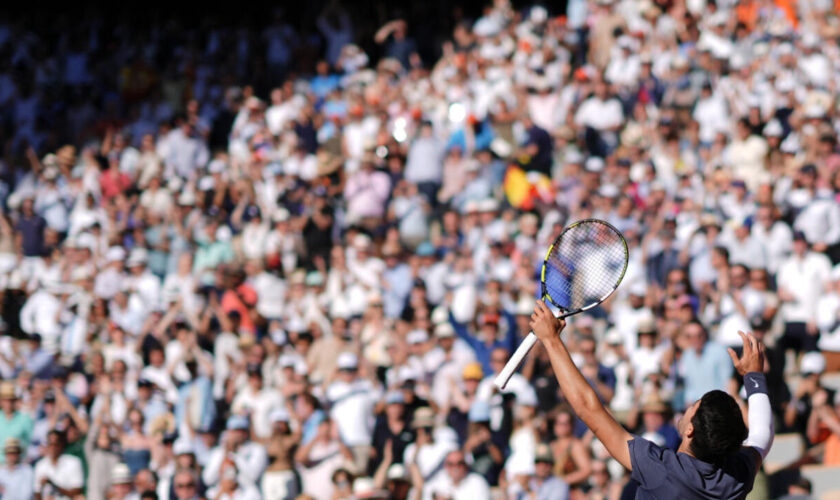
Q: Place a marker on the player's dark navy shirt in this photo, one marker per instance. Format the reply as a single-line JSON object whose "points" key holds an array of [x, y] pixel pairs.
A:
{"points": [[665, 474]]}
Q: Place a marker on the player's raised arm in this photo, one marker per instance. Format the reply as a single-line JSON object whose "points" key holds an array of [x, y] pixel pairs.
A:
{"points": [[578, 392], [759, 415]]}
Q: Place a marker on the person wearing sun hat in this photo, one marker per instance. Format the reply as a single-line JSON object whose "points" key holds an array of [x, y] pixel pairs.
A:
{"points": [[16, 478], [13, 423], [428, 450]]}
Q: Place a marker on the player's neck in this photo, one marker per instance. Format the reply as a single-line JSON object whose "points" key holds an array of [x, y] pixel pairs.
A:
{"points": [[685, 447]]}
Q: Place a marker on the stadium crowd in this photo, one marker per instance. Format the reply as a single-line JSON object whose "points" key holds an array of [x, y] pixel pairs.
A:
{"points": [[303, 288]]}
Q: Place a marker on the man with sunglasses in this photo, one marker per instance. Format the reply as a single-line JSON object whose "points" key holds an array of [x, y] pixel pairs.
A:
{"points": [[185, 484]]}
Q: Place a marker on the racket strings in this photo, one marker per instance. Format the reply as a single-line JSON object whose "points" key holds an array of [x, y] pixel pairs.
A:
{"points": [[585, 265]]}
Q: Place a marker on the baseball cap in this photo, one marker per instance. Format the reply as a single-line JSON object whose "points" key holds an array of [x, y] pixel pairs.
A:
{"points": [[347, 361], [182, 446], [278, 415], [473, 371], [237, 422], [394, 397], [417, 337], [444, 331], [812, 363]]}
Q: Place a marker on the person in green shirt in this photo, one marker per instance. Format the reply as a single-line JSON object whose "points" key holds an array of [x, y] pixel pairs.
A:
{"points": [[211, 252], [13, 423]]}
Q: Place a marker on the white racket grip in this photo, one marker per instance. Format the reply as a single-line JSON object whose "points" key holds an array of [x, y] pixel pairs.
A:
{"points": [[515, 360]]}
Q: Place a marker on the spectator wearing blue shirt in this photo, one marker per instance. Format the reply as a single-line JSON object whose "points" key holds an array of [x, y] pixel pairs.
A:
{"points": [[198, 391], [487, 338], [308, 411], [600, 377], [474, 136], [705, 364], [544, 485], [397, 281], [398, 45], [37, 361], [323, 82], [655, 413], [16, 479]]}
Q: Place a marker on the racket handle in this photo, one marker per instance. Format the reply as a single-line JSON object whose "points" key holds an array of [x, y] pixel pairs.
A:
{"points": [[515, 360]]}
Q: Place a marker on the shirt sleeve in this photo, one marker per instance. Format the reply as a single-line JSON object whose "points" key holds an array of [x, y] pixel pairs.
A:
{"points": [[647, 461]]}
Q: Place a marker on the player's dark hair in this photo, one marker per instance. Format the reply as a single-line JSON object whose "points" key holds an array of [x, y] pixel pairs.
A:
{"points": [[719, 428]]}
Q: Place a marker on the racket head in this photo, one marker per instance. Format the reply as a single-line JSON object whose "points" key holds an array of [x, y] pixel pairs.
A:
{"points": [[584, 265]]}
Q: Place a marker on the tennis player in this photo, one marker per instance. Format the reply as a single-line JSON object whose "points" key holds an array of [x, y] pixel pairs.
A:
{"points": [[718, 457]]}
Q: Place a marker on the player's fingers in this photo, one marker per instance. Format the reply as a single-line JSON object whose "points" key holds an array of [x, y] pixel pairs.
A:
{"points": [[543, 308], [732, 355], [753, 342], [745, 339]]}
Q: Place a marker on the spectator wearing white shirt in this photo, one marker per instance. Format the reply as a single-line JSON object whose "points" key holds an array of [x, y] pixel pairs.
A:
{"points": [[819, 219], [58, 476], [187, 151], [828, 321], [517, 388], [109, 280], [258, 401], [254, 238], [745, 155], [431, 445], [142, 282], [456, 481], [625, 66], [743, 247], [249, 457], [774, 235], [50, 201], [424, 163], [647, 358], [351, 407], [447, 361], [800, 282], [40, 313], [711, 114], [229, 487], [602, 116]]}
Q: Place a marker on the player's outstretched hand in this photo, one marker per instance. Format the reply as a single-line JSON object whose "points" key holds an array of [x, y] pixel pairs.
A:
{"points": [[544, 324], [752, 359]]}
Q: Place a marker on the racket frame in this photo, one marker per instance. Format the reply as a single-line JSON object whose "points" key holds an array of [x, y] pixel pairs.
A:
{"points": [[528, 342]]}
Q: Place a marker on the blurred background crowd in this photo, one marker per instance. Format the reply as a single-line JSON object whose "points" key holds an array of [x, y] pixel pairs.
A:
{"points": [[284, 257]]}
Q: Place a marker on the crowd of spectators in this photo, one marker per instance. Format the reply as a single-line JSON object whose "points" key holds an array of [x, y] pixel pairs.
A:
{"points": [[227, 278]]}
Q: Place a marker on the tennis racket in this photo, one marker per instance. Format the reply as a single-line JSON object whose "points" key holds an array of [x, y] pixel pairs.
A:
{"points": [[583, 267]]}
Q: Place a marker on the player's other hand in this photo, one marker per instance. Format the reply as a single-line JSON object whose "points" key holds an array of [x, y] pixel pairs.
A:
{"points": [[752, 359], [544, 324]]}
